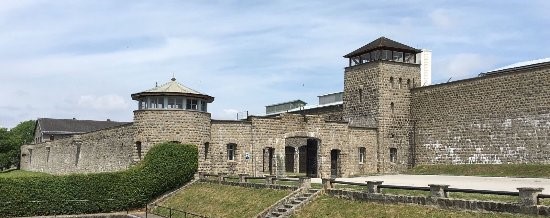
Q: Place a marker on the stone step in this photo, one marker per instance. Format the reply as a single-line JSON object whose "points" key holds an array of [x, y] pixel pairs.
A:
{"points": [[295, 202], [281, 210], [275, 214], [288, 206], [301, 198]]}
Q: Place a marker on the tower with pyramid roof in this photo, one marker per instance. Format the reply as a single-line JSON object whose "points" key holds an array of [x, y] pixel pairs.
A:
{"points": [[377, 95], [170, 112]]}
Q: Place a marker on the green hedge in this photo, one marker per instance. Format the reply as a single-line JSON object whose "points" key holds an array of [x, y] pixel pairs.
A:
{"points": [[165, 167]]}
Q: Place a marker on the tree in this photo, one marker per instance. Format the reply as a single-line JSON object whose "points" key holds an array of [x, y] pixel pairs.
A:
{"points": [[11, 141]]}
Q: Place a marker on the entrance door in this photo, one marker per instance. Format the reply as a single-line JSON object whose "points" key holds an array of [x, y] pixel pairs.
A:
{"points": [[289, 159], [268, 160], [335, 163], [311, 158]]}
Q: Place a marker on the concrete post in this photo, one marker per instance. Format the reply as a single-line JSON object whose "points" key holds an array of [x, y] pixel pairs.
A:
{"points": [[327, 183], [305, 182], [269, 180], [221, 177], [529, 196], [438, 190], [242, 177], [372, 187]]}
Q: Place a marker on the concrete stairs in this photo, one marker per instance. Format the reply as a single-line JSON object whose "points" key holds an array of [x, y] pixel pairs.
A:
{"points": [[294, 203]]}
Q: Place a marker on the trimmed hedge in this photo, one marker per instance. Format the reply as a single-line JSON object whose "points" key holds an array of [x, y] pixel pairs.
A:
{"points": [[165, 167]]}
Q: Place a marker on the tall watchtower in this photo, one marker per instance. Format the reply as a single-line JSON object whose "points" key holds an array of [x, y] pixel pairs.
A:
{"points": [[377, 86], [171, 112]]}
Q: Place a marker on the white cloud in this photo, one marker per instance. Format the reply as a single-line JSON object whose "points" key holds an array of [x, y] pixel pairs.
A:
{"points": [[442, 18], [101, 103], [466, 65]]}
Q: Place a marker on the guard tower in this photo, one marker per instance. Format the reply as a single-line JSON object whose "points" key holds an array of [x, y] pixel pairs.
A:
{"points": [[170, 112], [377, 86]]}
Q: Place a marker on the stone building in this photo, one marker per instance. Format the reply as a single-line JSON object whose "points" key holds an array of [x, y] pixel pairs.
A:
{"points": [[382, 122]]}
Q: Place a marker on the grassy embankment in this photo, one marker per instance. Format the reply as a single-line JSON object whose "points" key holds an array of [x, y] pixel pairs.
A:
{"points": [[326, 206], [214, 200], [497, 170]]}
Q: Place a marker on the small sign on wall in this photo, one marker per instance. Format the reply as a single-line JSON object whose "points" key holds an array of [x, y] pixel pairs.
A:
{"points": [[247, 156]]}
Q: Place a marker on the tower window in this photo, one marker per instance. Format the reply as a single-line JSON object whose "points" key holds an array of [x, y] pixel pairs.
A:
{"points": [[393, 155], [408, 83], [206, 147], [362, 153], [360, 95], [192, 104], [47, 154], [392, 107], [51, 138], [391, 83], [231, 148], [138, 149], [399, 85]]}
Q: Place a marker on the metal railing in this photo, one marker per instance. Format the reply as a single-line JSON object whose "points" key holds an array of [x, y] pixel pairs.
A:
{"points": [[169, 212]]}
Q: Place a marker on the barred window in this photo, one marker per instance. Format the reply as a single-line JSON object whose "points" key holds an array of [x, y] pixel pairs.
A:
{"points": [[231, 149], [362, 153]]}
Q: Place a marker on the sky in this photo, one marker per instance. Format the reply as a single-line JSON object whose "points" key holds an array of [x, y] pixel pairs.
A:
{"points": [[82, 59]]}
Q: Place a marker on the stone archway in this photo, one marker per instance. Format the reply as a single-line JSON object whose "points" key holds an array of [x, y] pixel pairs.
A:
{"points": [[306, 154]]}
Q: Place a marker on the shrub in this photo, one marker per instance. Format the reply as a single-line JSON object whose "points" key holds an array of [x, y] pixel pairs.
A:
{"points": [[165, 167]]}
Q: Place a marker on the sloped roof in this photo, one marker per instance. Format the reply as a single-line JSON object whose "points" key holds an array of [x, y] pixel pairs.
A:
{"points": [[73, 126], [522, 64], [172, 88], [288, 102], [382, 43]]}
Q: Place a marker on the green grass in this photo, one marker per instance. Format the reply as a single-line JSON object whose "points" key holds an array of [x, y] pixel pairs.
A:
{"points": [[498, 170], [21, 173], [214, 200], [326, 206]]}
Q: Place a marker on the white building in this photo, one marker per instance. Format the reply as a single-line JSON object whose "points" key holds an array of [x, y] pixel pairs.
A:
{"points": [[426, 67]]}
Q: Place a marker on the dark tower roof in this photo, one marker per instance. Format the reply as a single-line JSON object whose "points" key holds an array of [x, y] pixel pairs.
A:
{"points": [[73, 126], [383, 43]]}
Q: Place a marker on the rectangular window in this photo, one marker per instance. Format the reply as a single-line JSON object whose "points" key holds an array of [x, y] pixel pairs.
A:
{"points": [[47, 154], [51, 138], [77, 156], [203, 106], [362, 153], [206, 147], [393, 155], [398, 56], [192, 104], [179, 102], [172, 102], [231, 151]]}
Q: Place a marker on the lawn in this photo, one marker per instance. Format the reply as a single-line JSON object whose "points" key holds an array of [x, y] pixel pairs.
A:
{"points": [[21, 173], [498, 170], [326, 206], [214, 200]]}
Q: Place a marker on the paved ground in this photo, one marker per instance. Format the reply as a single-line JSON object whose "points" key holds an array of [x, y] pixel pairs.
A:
{"points": [[469, 182]]}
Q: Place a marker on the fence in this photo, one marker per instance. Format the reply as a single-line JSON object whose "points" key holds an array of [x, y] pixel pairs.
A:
{"points": [[271, 181], [528, 198], [168, 212]]}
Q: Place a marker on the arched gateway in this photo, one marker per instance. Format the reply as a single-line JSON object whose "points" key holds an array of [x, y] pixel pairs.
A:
{"points": [[301, 156]]}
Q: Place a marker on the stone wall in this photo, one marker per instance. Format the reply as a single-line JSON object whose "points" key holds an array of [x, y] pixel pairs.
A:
{"points": [[162, 125], [494, 119], [100, 151], [377, 95], [253, 137]]}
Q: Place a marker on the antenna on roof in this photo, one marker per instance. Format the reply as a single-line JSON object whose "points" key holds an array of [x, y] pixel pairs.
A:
{"points": [[173, 77], [449, 79], [156, 84]]}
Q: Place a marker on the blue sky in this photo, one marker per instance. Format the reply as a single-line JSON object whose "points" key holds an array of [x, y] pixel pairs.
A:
{"points": [[83, 59]]}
